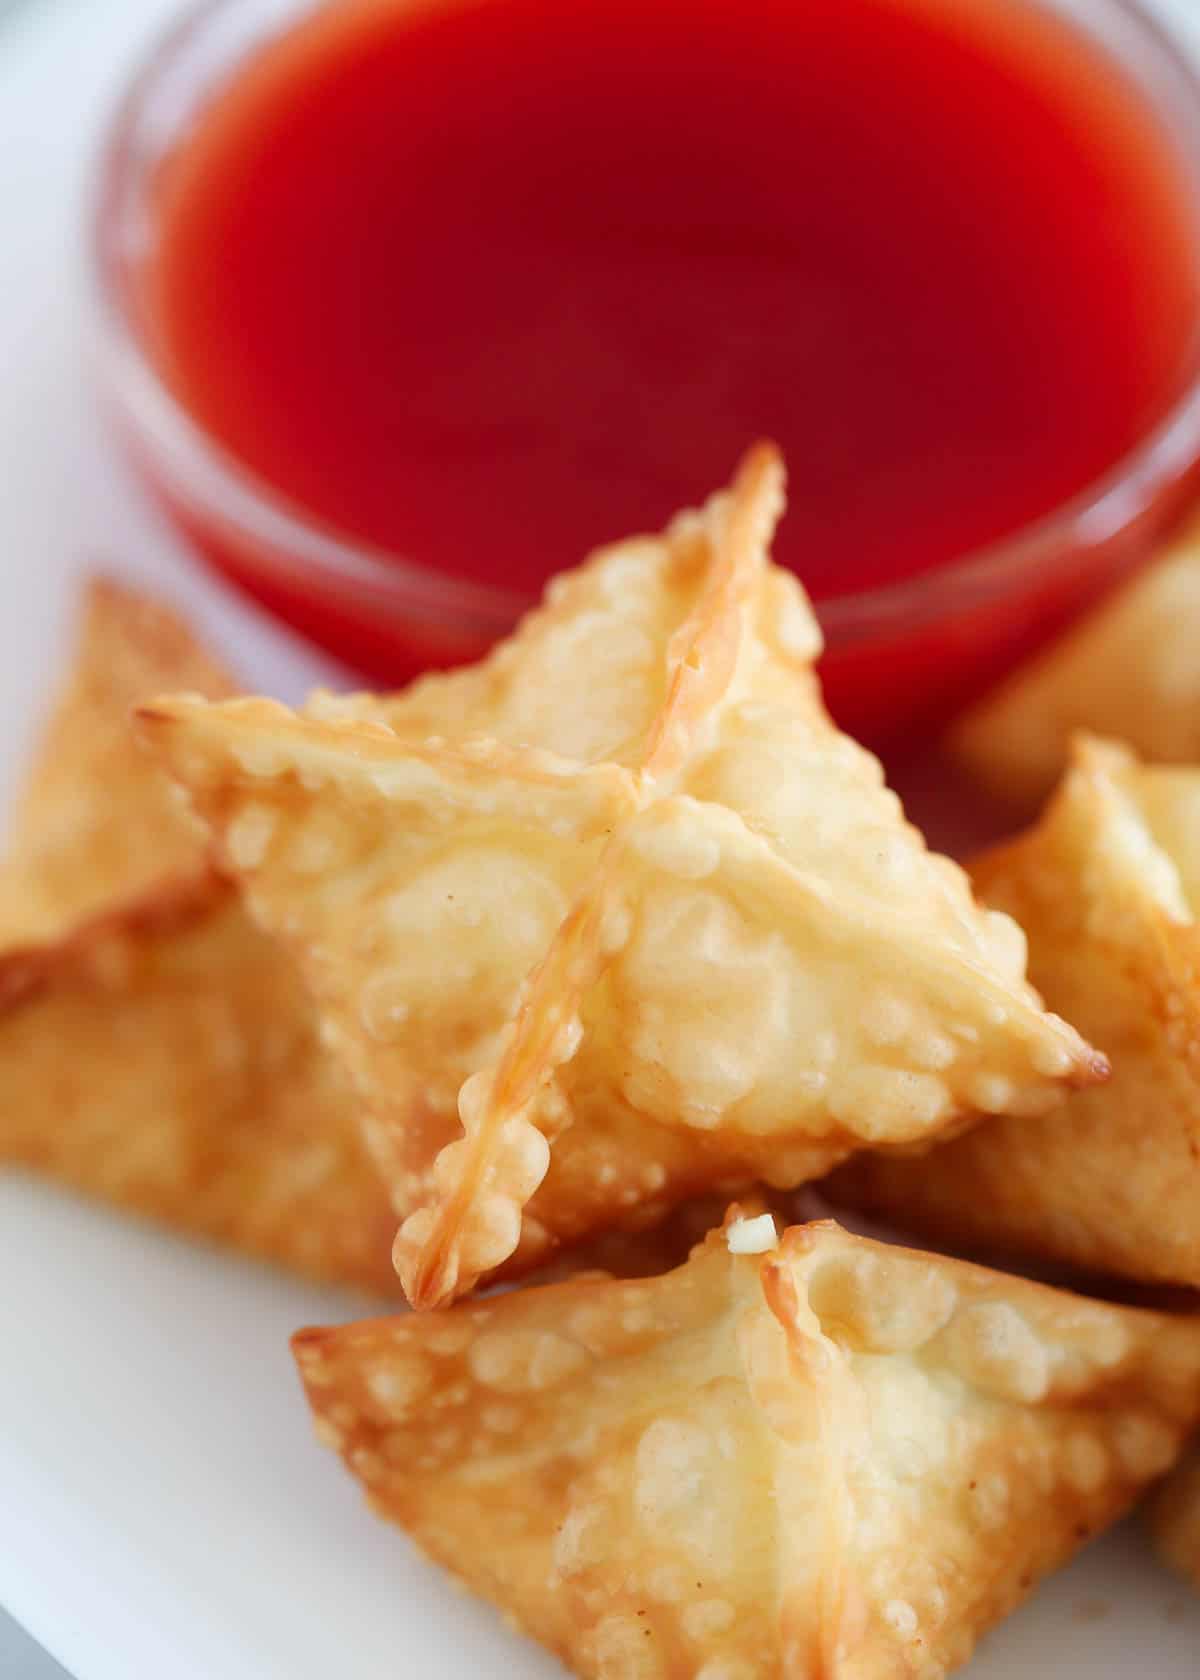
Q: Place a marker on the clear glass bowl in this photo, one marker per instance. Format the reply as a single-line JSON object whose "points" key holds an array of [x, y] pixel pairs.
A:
{"points": [[899, 660]]}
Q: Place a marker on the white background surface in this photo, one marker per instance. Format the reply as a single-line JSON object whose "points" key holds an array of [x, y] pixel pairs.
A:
{"points": [[164, 1511]]}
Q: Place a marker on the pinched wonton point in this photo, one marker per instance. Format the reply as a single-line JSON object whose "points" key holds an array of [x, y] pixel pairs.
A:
{"points": [[98, 822], [157, 1049], [1175, 1516], [827, 1457], [1107, 887], [1130, 670], [655, 928]]}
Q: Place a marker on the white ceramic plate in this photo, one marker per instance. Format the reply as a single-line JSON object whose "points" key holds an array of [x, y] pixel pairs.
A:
{"points": [[163, 1509]]}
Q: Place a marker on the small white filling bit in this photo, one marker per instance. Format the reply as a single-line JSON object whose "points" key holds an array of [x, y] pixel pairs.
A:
{"points": [[752, 1236]]}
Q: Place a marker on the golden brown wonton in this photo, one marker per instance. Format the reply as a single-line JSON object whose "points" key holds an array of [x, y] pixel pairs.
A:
{"points": [[1107, 887], [1176, 1519], [658, 913], [165, 1058], [98, 822], [1130, 670], [156, 1048], [831, 1458]]}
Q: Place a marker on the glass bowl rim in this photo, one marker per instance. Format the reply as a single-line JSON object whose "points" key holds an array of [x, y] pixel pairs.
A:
{"points": [[290, 541]]}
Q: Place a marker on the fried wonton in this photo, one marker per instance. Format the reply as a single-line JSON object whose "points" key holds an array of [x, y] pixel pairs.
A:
{"points": [[704, 948], [98, 822], [1176, 1519], [165, 1058], [1130, 670], [156, 1048], [195, 1089], [1107, 887], [815, 1456]]}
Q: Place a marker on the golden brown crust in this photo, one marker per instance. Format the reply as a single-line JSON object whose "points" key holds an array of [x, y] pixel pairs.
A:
{"points": [[1107, 887], [1129, 670], [833, 1458], [164, 1058], [1175, 1518], [98, 823], [27, 971], [691, 946], [156, 1049]]}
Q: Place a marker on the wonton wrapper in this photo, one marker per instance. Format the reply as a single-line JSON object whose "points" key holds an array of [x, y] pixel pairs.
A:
{"points": [[1107, 887], [670, 921], [156, 1049], [1130, 670], [833, 1459], [98, 822], [1176, 1520], [165, 1058]]}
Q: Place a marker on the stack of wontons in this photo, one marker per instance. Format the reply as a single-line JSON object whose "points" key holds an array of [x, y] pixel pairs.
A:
{"points": [[568, 959]]}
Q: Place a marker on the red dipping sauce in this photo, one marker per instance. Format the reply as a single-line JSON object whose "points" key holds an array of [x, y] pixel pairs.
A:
{"points": [[480, 284]]}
